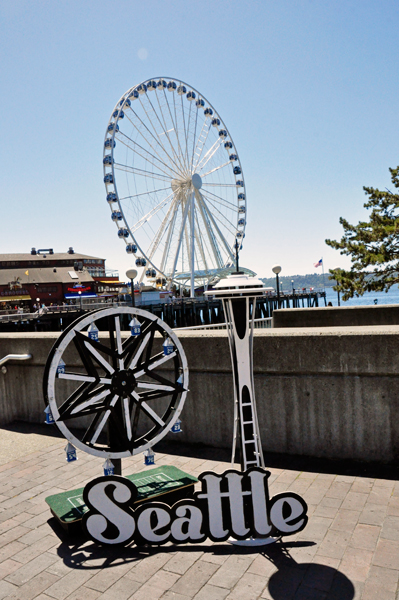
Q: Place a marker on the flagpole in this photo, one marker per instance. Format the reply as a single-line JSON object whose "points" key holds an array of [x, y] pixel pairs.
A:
{"points": [[322, 266]]}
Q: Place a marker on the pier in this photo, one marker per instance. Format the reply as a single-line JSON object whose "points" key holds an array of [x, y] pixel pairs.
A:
{"points": [[180, 312]]}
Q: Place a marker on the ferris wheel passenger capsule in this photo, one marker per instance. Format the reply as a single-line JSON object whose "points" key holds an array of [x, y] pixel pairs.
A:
{"points": [[239, 183], [208, 112], [181, 90], [142, 88], [199, 103], [116, 216], [109, 178], [240, 234], [108, 160], [190, 96], [241, 197], [123, 233], [127, 103], [241, 222], [223, 134], [108, 467], [113, 126], [135, 326], [237, 170], [168, 346], [131, 248], [134, 95], [93, 332], [70, 452], [161, 84], [228, 145], [233, 157], [216, 122], [171, 86], [149, 457], [141, 262], [61, 367], [151, 85], [109, 144], [118, 114], [111, 197], [151, 273]]}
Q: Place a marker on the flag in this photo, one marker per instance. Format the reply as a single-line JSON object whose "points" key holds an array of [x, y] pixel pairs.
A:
{"points": [[318, 264], [26, 272]]}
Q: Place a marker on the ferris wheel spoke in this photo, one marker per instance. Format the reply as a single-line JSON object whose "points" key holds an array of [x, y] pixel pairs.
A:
{"points": [[216, 169], [156, 139], [223, 218], [209, 154], [221, 200], [161, 231], [140, 172], [202, 138], [78, 377], [170, 230], [149, 411], [194, 138], [144, 194], [145, 154], [220, 185], [164, 131], [117, 326], [221, 236], [198, 237], [177, 130], [211, 235], [181, 232], [152, 212]]}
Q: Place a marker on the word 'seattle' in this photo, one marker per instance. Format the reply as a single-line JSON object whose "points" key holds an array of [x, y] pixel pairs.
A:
{"points": [[231, 504]]}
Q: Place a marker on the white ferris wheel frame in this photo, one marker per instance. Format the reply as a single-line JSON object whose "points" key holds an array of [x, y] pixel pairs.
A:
{"points": [[213, 231]]}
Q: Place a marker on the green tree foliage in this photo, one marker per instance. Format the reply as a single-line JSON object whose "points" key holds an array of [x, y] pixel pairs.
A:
{"points": [[373, 245]]}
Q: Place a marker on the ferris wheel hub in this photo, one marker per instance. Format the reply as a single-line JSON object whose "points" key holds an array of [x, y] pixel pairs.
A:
{"points": [[123, 382], [196, 181]]}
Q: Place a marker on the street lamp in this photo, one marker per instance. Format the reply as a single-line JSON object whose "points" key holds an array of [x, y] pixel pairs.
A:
{"points": [[80, 300], [276, 270], [131, 274], [335, 269]]}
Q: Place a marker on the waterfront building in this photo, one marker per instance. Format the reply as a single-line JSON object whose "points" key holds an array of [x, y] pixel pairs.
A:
{"points": [[47, 277]]}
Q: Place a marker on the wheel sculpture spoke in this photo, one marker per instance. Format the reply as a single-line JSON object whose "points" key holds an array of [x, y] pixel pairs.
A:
{"points": [[119, 394]]}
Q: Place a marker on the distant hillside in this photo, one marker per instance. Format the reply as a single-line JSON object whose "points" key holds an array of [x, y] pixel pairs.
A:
{"points": [[313, 280]]}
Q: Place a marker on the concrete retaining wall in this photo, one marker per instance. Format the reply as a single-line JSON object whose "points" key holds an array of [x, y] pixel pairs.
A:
{"points": [[334, 316], [330, 392]]}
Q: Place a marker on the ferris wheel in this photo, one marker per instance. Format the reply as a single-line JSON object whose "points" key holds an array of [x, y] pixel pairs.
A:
{"points": [[174, 183]]}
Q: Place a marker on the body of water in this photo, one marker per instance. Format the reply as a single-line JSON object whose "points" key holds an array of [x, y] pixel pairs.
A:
{"points": [[392, 297]]}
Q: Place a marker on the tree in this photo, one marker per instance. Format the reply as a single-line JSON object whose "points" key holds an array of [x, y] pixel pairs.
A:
{"points": [[373, 245]]}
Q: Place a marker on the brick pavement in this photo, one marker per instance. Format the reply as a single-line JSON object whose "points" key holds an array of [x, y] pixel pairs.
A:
{"points": [[349, 549]]}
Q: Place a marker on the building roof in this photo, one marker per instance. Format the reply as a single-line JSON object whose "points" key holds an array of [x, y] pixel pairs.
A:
{"points": [[43, 275], [56, 256]]}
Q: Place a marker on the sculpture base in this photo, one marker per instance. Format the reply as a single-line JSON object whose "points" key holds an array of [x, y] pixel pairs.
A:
{"points": [[258, 541]]}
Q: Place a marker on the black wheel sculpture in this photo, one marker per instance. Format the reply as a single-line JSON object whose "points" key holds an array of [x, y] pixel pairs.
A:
{"points": [[117, 395]]}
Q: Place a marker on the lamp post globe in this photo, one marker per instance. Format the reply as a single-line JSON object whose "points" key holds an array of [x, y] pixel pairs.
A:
{"points": [[131, 274]]}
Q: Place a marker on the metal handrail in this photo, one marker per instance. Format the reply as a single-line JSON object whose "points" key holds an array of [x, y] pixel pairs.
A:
{"points": [[264, 323], [14, 357]]}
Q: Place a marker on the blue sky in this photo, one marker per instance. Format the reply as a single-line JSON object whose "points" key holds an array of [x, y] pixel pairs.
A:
{"points": [[308, 90]]}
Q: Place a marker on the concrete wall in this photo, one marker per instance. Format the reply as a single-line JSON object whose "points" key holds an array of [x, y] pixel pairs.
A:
{"points": [[334, 316], [331, 392]]}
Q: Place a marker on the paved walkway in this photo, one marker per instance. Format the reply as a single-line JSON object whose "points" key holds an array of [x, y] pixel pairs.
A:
{"points": [[349, 549]]}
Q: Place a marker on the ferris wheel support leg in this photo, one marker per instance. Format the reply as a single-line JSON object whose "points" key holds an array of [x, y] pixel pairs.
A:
{"points": [[192, 244]]}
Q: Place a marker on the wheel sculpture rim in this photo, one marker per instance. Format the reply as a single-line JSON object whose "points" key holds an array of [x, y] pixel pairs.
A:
{"points": [[100, 395]]}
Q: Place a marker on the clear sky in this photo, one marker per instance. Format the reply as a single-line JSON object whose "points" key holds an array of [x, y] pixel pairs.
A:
{"points": [[308, 89]]}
